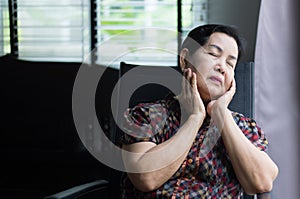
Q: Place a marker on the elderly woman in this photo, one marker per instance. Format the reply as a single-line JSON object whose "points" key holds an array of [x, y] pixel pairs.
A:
{"points": [[201, 149]]}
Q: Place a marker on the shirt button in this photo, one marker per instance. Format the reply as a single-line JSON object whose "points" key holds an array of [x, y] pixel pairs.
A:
{"points": [[190, 161]]}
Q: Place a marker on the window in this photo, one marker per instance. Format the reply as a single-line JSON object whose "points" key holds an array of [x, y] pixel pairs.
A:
{"points": [[194, 13], [4, 29], [55, 30], [145, 31]]}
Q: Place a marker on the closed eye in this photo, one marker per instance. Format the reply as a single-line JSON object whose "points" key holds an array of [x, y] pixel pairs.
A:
{"points": [[213, 54], [230, 64]]}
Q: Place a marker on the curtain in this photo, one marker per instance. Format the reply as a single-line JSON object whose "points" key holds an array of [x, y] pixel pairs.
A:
{"points": [[276, 91]]}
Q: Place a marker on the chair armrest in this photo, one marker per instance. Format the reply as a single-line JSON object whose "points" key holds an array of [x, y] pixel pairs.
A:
{"points": [[266, 195], [79, 190]]}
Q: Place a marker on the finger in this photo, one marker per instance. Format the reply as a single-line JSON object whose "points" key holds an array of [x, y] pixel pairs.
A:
{"points": [[183, 83], [228, 96], [232, 89], [194, 82], [196, 93], [233, 84], [188, 83]]}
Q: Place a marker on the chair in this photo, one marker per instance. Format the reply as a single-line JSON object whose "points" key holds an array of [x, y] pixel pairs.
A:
{"points": [[146, 80], [242, 101]]}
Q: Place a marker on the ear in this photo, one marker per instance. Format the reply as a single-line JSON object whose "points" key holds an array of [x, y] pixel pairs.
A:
{"points": [[183, 58]]}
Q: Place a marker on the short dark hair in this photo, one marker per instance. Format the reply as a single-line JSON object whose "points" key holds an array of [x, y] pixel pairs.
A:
{"points": [[200, 35]]}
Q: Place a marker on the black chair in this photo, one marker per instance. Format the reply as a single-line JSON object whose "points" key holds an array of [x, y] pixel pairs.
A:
{"points": [[242, 101], [142, 84]]}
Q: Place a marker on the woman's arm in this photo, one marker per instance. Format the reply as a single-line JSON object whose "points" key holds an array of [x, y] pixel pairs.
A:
{"points": [[150, 165], [254, 168], [162, 160]]}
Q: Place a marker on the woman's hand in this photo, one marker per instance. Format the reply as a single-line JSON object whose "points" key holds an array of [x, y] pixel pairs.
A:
{"points": [[189, 98], [217, 108]]}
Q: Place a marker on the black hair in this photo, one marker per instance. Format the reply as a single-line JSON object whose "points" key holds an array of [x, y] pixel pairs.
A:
{"points": [[200, 35]]}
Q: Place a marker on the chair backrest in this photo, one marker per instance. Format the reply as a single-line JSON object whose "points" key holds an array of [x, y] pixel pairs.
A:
{"points": [[155, 82], [242, 101]]}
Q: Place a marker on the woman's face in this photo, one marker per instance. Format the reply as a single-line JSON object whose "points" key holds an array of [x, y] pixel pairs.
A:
{"points": [[214, 64]]}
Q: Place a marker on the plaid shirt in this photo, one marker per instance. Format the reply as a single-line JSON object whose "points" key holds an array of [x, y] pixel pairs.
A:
{"points": [[207, 171]]}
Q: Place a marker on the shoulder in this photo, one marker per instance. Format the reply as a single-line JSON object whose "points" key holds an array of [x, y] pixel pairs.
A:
{"points": [[154, 111], [145, 112], [243, 121], [247, 124], [251, 130], [143, 122]]}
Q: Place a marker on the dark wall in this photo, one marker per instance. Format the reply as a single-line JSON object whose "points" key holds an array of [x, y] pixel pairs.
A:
{"points": [[241, 13]]}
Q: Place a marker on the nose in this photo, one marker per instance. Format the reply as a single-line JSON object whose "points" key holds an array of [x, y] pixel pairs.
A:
{"points": [[220, 67]]}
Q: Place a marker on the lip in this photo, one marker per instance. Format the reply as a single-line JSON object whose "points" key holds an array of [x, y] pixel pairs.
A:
{"points": [[216, 79]]}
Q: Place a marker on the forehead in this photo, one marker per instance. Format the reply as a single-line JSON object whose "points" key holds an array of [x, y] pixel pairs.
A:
{"points": [[224, 41]]}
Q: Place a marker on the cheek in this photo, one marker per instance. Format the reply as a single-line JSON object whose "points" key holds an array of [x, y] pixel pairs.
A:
{"points": [[200, 64], [197, 71], [200, 70], [228, 80]]}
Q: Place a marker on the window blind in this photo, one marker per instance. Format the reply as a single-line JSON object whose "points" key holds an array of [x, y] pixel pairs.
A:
{"points": [[144, 31], [53, 30], [194, 13], [136, 31], [132, 31]]}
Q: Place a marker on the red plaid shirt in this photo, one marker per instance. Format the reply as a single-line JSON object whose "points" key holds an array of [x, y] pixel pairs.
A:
{"points": [[207, 171]]}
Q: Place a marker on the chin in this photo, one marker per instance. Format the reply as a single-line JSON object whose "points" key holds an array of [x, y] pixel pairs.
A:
{"points": [[209, 95], [215, 94]]}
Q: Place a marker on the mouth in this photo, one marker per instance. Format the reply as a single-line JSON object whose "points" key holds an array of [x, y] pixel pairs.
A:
{"points": [[216, 79]]}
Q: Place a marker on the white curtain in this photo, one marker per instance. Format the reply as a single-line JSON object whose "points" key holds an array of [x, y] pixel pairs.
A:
{"points": [[276, 91]]}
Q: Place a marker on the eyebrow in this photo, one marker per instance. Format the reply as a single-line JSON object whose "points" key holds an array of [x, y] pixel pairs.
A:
{"points": [[221, 50]]}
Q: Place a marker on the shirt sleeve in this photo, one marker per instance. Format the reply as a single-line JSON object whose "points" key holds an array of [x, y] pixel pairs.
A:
{"points": [[137, 126], [253, 132]]}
